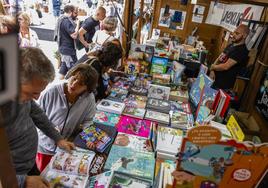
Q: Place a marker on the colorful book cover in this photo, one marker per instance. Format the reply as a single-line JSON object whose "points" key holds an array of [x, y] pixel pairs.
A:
{"points": [[128, 161], [111, 106], [235, 129], [158, 92], [123, 84], [114, 96], [158, 105], [97, 165], [143, 81], [100, 181], [159, 65], [132, 66], [179, 95], [134, 112], [136, 143], [119, 90], [157, 116], [134, 126], [93, 135], [122, 180], [136, 101], [180, 106], [106, 118], [138, 90], [200, 82], [161, 78], [179, 118]]}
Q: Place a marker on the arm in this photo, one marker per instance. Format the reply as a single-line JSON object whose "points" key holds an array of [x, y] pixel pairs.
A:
{"points": [[81, 32], [75, 34], [90, 112], [224, 66]]}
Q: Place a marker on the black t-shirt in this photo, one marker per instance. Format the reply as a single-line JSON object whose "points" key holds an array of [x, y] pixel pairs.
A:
{"points": [[90, 25], [226, 79], [66, 43]]}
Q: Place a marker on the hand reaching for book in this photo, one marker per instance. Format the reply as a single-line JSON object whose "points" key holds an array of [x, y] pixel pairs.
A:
{"points": [[36, 182], [66, 145]]}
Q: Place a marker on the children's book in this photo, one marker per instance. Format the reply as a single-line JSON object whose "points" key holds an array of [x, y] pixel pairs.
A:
{"points": [[169, 140], [161, 78], [158, 92], [219, 163], [122, 180], [132, 66], [158, 105], [136, 90], [225, 133], [69, 169], [136, 101], [159, 65], [180, 106], [179, 120], [136, 143], [134, 126], [100, 181], [111, 106], [94, 135], [134, 112], [106, 118], [104, 130], [221, 103], [123, 83], [179, 95], [97, 165], [201, 81], [131, 162], [143, 81], [157, 117], [114, 96]]}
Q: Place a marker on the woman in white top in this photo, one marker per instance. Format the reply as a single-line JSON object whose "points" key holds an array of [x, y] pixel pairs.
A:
{"points": [[109, 25], [27, 36]]}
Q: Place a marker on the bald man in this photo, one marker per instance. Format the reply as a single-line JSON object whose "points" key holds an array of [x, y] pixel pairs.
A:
{"points": [[89, 26], [234, 57]]}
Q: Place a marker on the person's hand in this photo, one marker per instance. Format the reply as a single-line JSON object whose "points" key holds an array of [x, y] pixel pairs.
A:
{"points": [[66, 145], [36, 182], [212, 75]]}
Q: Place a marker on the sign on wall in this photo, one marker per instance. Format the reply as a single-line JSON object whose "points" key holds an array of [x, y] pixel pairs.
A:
{"points": [[229, 15]]}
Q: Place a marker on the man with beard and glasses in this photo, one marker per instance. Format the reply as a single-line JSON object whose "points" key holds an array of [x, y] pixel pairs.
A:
{"points": [[230, 62], [68, 32]]}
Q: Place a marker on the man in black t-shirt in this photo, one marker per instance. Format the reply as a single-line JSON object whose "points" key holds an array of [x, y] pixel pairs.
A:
{"points": [[88, 28], [234, 57]]}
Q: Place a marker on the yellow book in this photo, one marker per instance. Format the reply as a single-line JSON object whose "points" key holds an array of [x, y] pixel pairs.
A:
{"points": [[235, 129]]}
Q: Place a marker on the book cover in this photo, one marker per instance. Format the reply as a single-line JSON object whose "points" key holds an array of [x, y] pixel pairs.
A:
{"points": [[134, 112], [143, 81], [180, 106], [97, 165], [110, 106], [157, 116], [106, 118], [118, 97], [100, 181], [179, 120], [128, 161], [169, 140], [122, 180], [159, 65], [136, 143], [158, 105], [200, 82], [134, 126], [132, 66], [123, 83], [93, 135], [179, 95], [234, 128], [136, 101], [161, 78], [138, 90], [158, 92]]}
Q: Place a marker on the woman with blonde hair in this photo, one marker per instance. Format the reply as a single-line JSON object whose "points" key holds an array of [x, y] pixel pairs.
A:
{"points": [[27, 36]]}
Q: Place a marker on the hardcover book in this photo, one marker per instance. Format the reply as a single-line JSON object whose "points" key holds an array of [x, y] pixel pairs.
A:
{"points": [[69, 169], [136, 143], [131, 162], [157, 117], [134, 126], [111, 106], [122, 180], [158, 105], [159, 65], [100, 181], [158, 92], [106, 118], [134, 112]]}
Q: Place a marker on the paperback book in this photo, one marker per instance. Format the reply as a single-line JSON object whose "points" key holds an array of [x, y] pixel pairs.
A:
{"points": [[157, 117], [111, 106], [106, 118], [97, 165], [159, 65], [180, 120], [136, 90], [180, 106], [134, 112], [69, 169], [158, 105], [136, 143], [132, 66], [143, 81], [131, 162], [122, 180], [158, 92], [179, 95], [136, 101], [161, 79], [100, 181], [134, 126]]}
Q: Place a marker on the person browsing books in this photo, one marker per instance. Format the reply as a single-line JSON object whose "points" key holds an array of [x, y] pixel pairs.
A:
{"points": [[36, 71], [67, 106], [103, 60], [230, 62]]}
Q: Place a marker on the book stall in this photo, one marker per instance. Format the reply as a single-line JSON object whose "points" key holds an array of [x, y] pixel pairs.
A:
{"points": [[159, 128]]}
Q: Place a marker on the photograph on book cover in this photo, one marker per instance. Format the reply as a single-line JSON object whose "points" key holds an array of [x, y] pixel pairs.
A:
{"points": [[106, 118]]}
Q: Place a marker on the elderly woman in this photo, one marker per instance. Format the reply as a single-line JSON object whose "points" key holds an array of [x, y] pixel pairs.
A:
{"points": [[27, 36], [67, 105]]}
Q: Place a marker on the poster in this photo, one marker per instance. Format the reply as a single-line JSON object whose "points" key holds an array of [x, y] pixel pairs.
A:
{"points": [[174, 19], [215, 13], [198, 9], [197, 18]]}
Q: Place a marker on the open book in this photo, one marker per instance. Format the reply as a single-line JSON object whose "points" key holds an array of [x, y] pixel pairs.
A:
{"points": [[69, 169]]}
